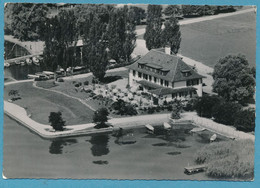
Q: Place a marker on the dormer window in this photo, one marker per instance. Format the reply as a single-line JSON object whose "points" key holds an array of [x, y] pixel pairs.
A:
{"points": [[186, 73]]}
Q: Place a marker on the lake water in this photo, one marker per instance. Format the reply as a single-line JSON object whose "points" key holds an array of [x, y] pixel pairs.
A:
{"points": [[26, 155]]}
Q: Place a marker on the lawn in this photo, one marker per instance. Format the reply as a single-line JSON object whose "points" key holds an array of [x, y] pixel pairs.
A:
{"points": [[39, 103], [208, 41]]}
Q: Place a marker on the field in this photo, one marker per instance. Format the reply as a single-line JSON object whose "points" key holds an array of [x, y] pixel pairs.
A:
{"points": [[208, 41], [40, 103]]}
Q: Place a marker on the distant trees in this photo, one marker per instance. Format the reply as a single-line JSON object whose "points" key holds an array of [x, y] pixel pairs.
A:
{"points": [[172, 10], [55, 118], [233, 79], [153, 30], [25, 20], [138, 14], [100, 117], [171, 34]]}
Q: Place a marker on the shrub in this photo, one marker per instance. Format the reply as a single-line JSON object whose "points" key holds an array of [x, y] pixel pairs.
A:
{"points": [[150, 110], [245, 120], [190, 105], [165, 103], [86, 83], [169, 107], [204, 105], [60, 80], [225, 112], [175, 112]]}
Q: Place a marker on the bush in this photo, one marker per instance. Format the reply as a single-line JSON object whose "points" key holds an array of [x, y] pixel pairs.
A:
{"points": [[204, 105], [228, 159], [123, 108], [86, 83], [225, 112], [60, 80], [245, 120], [150, 110]]}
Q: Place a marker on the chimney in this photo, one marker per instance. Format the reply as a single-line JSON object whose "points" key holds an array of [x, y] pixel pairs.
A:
{"points": [[168, 50]]}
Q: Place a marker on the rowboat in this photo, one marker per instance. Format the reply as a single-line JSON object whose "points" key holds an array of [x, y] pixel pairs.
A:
{"points": [[195, 169], [213, 138], [197, 129], [150, 128], [22, 63], [18, 63], [167, 126]]}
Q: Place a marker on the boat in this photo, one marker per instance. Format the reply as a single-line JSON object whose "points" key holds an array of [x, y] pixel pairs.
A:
{"points": [[31, 76], [167, 126], [28, 61], [6, 64], [213, 138], [18, 63], [197, 129], [150, 128]]}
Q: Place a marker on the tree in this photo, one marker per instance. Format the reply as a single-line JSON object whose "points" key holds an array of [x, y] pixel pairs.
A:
{"points": [[205, 104], [121, 34], [56, 121], [153, 29], [61, 37], [100, 117], [171, 35], [172, 10], [245, 120], [175, 112], [233, 79], [139, 14], [26, 20], [225, 112]]}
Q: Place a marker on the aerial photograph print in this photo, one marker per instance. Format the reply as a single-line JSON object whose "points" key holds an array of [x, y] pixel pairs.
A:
{"points": [[129, 91]]}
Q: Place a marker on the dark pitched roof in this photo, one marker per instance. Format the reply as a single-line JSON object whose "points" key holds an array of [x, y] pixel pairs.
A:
{"points": [[149, 84], [166, 91], [165, 62]]}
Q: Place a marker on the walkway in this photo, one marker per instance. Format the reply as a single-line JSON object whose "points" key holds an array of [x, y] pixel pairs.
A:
{"points": [[19, 114]]}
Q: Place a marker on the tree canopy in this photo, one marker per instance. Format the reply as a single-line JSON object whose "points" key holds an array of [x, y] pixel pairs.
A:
{"points": [[233, 79], [56, 121], [153, 30], [171, 34], [172, 10], [61, 36], [25, 20], [100, 117]]}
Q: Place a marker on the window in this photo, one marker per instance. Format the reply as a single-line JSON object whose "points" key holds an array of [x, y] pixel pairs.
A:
{"points": [[174, 95], [172, 84], [145, 76], [150, 78], [166, 83], [139, 75], [134, 73], [155, 79], [161, 81]]}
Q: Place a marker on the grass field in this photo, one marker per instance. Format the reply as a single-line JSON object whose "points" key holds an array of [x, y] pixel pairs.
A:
{"points": [[39, 103], [208, 41]]}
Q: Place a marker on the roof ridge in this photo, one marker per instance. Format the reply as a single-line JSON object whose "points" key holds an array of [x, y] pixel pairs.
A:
{"points": [[174, 73]]}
